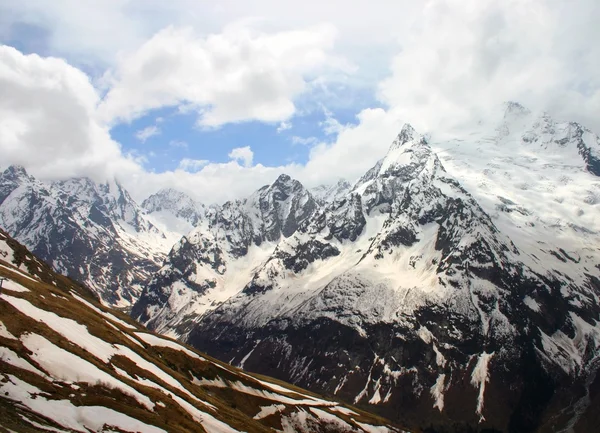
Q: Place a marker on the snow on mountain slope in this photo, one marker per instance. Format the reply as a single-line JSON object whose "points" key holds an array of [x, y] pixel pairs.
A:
{"points": [[92, 232], [217, 259], [437, 296], [539, 181], [69, 364], [329, 193], [174, 212]]}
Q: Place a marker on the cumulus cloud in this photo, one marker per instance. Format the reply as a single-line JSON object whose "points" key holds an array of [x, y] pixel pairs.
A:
{"points": [[284, 126], [454, 62], [47, 121], [149, 131], [463, 58], [214, 183], [234, 76], [242, 154]]}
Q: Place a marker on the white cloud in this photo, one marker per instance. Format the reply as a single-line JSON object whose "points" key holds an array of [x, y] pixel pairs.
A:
{"points": [[237, 75], [47, 121], [284, 126], [330, 125], [242, 154], [453, 63], [149, 131], [188, 164], [115, 26], [304, 141], [355, 149], [462, 58]]}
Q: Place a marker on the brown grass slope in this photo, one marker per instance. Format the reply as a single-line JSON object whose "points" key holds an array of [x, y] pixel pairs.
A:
{"points": [[221, 392]]}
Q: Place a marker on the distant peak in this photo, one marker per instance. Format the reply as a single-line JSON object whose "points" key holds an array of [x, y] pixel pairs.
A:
{"points": [[283, 178], [512, 108], [168, 192], [343, 182], [407, 135], [15, 172]]}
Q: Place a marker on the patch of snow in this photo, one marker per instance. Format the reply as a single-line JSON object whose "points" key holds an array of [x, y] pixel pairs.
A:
{"points": [[437, 392], [68, 328], [343, 410], [279, 388], [243, 361], [13, 286], [133, 340], [6, 252], [63, 412], [479, 377], [104, 313], [376, 398], [21, 272], [239, 386], [532, 303], [265, 411], [216, 383], [209, 423], [330, 418], [155, 340], [440, 360], [158, 372], [368, 428], [66, 366], [41, 427], [15, 360]]}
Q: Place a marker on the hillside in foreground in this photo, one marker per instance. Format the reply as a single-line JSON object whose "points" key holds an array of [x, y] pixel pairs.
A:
{"points": [[68, 364]]}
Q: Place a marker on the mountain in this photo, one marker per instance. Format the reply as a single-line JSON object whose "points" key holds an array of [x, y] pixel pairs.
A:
{"points": [[173, 211], [95, 233], [454, 287], [216, 259], [324, 194], [69, 364]]}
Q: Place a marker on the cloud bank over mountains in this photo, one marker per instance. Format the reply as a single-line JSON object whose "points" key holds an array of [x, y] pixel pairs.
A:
{"points": [[443, 66]]}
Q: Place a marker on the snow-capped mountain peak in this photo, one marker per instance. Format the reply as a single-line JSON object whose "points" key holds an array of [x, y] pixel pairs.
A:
{"points": [[407, 134], [15, 172], [446, 278], [175, 212], [281, 207], [324, 194], [515, 110], [92, 232]]}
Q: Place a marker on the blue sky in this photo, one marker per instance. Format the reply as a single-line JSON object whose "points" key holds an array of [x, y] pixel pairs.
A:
{"points": [[178, 135]]}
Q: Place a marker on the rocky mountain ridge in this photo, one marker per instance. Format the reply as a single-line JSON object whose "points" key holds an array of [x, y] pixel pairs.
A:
{"points": [[453, 287], [95, 233], [69, 364], [430, 291]]}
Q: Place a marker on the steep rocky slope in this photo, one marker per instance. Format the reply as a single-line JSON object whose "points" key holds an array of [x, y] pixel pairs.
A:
{"points": [[68, 364], [95, 233], [174, 212], [455, 285], [216, 259]]}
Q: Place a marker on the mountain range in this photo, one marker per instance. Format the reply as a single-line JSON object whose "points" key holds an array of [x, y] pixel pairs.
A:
{"points": [[69, 364], [452, 287]]}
